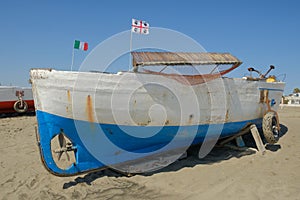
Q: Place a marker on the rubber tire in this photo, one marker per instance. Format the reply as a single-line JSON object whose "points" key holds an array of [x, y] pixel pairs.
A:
{"points": [[18, 109], [269, 128]]}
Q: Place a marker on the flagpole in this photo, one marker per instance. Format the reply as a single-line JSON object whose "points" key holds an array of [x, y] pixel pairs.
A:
{"points": [[72, 60], [130, 48]]}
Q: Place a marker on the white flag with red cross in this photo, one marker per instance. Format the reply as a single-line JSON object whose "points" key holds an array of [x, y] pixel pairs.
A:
{"points": [[140, 27]]}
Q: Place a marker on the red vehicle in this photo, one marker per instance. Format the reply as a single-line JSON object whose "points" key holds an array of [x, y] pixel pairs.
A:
{"points": [[16, 100]]}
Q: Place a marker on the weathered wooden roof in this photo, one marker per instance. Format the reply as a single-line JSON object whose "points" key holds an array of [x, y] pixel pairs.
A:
{"points": [[183, 58]]}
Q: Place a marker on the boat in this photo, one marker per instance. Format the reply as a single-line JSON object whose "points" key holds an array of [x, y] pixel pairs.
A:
{"points": [[14, 99], [141, 120]]}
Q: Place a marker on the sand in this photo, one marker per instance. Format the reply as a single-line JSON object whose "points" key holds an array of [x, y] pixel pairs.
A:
{"points": [[223, 174]]}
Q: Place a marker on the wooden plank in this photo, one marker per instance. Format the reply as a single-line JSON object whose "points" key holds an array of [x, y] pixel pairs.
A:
{"points": [[242, 132], [255, 134]]}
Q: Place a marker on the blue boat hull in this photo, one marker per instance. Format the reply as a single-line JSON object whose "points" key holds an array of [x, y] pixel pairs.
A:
{"points": [[50, 125]]}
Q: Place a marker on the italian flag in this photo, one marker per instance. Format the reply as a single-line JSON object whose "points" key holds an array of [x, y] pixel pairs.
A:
{"points": [[81, 45]]}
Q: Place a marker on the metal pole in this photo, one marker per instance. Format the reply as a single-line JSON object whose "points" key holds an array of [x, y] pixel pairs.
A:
{"points": [[130, 48], [72, 59]]}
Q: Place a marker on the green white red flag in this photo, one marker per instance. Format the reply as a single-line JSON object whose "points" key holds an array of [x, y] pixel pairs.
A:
{"points": [[81, 45]]}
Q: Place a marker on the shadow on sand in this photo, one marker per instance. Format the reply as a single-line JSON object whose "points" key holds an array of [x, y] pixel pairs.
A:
{"points": [[218, 154], [8, 115]]}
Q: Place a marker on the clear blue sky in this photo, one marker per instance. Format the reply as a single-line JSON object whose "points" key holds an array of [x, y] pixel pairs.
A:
{"points": [[41, 33]]}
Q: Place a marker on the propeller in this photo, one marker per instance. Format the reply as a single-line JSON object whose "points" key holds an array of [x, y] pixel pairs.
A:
{"points": [[64, 147]]}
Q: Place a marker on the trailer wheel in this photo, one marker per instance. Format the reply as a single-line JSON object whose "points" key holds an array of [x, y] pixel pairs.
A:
{"points": [[20, 109], [270, 129]]}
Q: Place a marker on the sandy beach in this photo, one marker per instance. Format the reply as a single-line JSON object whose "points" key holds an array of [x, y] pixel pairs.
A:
{"points": [[223, 174]]}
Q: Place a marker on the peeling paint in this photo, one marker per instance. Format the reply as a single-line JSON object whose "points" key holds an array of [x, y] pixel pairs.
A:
{"points": [[90, 109], [69, 106], [109, 131], [227, 115], [69, 96], [144, 124], [190, 119]]}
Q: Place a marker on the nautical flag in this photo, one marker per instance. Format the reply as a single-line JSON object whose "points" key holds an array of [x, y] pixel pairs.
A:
{"points": [[81, 45], [139, 26]]}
